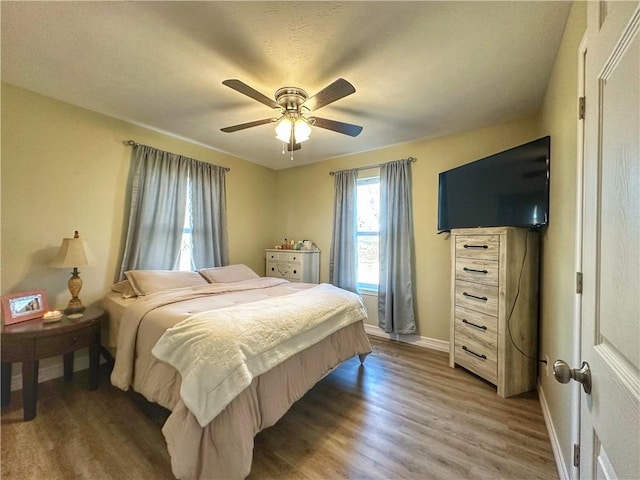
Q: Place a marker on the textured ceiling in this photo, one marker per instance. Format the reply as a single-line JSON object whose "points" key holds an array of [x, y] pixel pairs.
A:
{"points": [[420, 69]]}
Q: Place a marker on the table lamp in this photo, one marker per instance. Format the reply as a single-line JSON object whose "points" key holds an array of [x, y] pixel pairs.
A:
{"points": [[73, 253]]}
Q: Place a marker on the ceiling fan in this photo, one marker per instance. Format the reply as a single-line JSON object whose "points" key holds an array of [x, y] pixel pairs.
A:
{"points": [[293, 105]]}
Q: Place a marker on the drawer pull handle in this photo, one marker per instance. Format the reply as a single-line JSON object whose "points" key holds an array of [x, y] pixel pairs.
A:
{"points": [[484, 247], [473, 270], [483, 357], [483, 299], [471, 324]]}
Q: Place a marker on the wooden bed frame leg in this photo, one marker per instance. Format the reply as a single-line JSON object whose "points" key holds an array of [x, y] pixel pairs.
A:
{"points": [[362, 356]]}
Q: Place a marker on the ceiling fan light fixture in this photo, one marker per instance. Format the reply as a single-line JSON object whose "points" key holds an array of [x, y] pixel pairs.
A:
{"points": [[283, 130], [301, 130]]}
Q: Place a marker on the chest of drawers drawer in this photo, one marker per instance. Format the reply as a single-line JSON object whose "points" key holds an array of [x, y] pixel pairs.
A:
{"points": [[476, 356], [478, 297], [477, 270], [486, 247], [478, 325]]}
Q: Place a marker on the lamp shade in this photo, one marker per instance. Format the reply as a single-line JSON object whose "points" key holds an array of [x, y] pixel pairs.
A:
{"points": [[73, 252], [301, 131], [283, 130]]}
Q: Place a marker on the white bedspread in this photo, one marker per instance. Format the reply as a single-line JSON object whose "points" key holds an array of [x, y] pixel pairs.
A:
{"points": [[218, 353]]}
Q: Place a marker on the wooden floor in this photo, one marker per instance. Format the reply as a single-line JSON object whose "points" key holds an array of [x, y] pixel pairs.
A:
{"points": [[405, 414]]}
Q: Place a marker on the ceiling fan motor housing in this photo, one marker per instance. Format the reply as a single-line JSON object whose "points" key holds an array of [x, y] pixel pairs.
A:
{"points": [[291, 98]]}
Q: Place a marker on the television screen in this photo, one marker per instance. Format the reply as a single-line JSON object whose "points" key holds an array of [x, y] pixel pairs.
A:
{"points": [[510, 188]]}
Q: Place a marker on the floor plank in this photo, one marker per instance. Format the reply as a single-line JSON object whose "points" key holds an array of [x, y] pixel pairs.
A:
{"points": [[403, 415]]}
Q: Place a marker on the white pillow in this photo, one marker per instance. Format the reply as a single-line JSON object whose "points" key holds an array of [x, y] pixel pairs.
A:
{"points": [[125, 288], [145, 282], [228, 274]]}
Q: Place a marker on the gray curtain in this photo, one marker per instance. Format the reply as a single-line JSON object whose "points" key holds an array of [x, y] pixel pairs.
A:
{"points": [[156, 219], [343, 267], [395, 289], [209, 215]]}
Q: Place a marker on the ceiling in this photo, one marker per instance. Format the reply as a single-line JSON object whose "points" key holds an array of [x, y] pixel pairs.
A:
{"points": [[420, 69]]}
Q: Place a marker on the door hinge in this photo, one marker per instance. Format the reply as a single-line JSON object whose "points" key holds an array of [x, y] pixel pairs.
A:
{"points": [[579, 282], [576, 455], [581, 107]]}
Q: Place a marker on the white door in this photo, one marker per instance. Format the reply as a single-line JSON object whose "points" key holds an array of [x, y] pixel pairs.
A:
{"points": [[610, 416]]}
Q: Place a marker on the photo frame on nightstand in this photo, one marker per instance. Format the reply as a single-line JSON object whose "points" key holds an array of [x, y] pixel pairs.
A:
{"points": [[23, 306]]}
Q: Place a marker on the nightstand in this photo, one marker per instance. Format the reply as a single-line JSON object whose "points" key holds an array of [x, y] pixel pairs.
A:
{"points": [[28, 342]]}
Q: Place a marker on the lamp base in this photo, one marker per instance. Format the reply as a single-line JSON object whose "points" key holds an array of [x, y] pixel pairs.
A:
{"points": [[75, 285], [75, 306]]}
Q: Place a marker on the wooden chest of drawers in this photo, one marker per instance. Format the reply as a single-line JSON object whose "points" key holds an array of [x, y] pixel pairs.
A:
{"points": [[494, 313], [294, 265]]}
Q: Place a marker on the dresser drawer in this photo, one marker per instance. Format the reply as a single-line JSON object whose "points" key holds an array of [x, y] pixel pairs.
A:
{"points": [[295, 272], [284, 269], [477, 297], [477, 357], [484, 247], [287, 256], [477, 270], [483, 328], [66, 342]]}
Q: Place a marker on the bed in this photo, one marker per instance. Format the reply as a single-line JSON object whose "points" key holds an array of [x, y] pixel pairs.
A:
{"points": [[228, 353]]}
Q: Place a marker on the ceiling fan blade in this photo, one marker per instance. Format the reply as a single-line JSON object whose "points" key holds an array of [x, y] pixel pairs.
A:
{"points": [[242, 126], [340, 127], [245, 89], [296, 146], [337, 90]]}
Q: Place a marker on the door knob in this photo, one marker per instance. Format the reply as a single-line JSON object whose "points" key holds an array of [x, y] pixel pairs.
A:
{"points": [[563, 373]]}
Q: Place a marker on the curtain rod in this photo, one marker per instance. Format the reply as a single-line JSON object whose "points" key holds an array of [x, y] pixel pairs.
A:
{"points": [[367, 167], [133, 143]]}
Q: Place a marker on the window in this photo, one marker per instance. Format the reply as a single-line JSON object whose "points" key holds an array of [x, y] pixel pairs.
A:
{"points": [[368, 228], [186, 258]]}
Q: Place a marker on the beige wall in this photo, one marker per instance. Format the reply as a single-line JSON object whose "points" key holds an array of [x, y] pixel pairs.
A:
{"points": [[305, 208], [65, 168], [559, 119]]}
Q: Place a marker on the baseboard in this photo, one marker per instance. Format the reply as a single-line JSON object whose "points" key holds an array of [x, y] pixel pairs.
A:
{"points": [[425, 342], [50, 372], [563, 473]]}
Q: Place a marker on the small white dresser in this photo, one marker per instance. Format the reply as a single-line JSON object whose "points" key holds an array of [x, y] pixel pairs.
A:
{"points": [[294, 265], [494, 312]]}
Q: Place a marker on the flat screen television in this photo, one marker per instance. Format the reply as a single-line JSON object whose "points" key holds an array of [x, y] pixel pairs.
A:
{"points": [[510, 188]]}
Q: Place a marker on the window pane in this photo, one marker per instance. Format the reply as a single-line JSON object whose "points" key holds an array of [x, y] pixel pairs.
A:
{"points": [[368, 208], [368, 260], [185, 252], [186, 260]]}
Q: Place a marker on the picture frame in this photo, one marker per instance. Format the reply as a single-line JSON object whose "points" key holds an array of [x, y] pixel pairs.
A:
{"points": [[23, 306]]}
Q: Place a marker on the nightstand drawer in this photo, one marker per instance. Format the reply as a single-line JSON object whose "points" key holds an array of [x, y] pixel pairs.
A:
{"points": [[477, 297], [66, 342], [484, 247], [477, 270]]}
